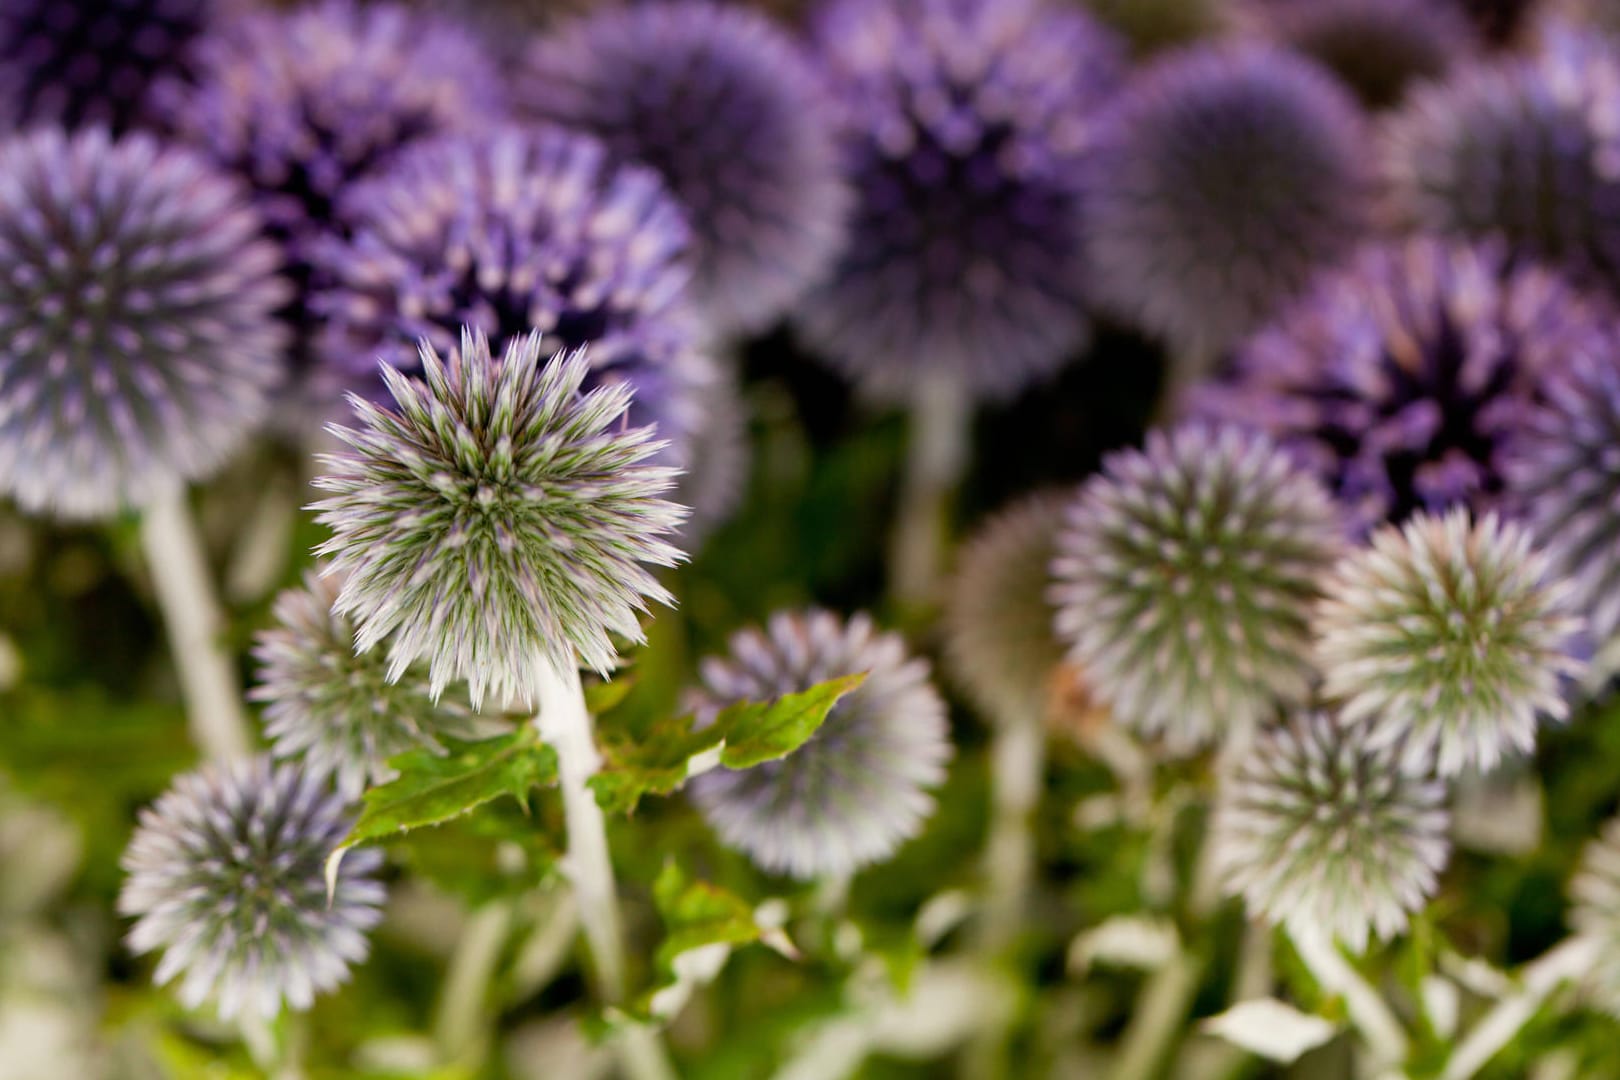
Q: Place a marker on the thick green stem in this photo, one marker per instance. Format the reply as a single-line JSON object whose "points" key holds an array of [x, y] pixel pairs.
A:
{"points": [[1566, 961], [465, 993], [1161, 1011], [936, 455], [1385, 1039]]}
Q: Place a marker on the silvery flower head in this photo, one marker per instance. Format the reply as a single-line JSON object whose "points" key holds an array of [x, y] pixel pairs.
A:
{"points": [[728, 110], [138, 346], [1563, 481], [1525, 149], [1377, 48], [1185, 575], [1222, 178], [858, 788], [1450, 636], [998, 617], [497, 519], [1403, 378], [512, 231], [226, 879], [1595, 915], [335, 707], [94, 62], [1319, 831], [962, 126]]}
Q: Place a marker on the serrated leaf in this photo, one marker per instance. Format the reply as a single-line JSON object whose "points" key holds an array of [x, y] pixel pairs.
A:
{"points": [[1270, 1028], [653, 762], [704, 922], [758, 732], [433, 788]]}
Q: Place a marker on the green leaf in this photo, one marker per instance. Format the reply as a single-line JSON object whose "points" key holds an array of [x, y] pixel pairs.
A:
{"points": [[603, 697], [757, 733], [434, 788], [703, 922]]}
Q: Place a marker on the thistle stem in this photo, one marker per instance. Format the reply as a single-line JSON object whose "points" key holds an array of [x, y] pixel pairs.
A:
{"points": [[1565, 961], [465, 992], [195, 621], [565, 724], [1368, 1011], [1161, 1010], [936, 454]]}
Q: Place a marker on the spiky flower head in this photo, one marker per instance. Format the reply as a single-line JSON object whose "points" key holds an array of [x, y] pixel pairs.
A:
{"points": [[1524, 149], [335, 707], [138, 346], [727, 108], [1377, 48], [94, 62], [1223, 177], [1563, 481], [511, 232], [1185, 575], [1320, 831], [962, 125], [226, 878], [1403, 378], [858, 788], [1595, 915], [1450, 636], [497, 519], [998, 616]]}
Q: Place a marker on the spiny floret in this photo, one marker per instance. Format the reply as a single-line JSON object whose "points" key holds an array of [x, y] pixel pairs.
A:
{"points": [[858, 788], [1563, 481], [497, 519], [1319, 830], [226, 878], [727, 108], [1594, 914], [962, 125], [998, 615], [1404, 378], [138, 346], [1184, 580], [332, 706], [1449, 636], [1221, 179]]}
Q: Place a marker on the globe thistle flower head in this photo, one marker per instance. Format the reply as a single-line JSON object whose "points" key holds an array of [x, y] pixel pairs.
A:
{"points": [[962, 125], [1184, 578], [1595, 915], [1563, 482], [1222, 178], [1403, 378], [998, 617], [1450, 636], [94, 62], [497, 519], [730, 112], [136, 315], [333, 706], [858, 788], [1320, 831], [1524, 149], [509, 232], [226, 878], [1377, 48]]}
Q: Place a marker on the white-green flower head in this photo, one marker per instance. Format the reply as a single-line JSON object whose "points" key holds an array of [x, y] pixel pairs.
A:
{"points": [[1319, 831], [1185, 577], [497, 519], [998, 617], [858, 789], [334, 706], [226, 877], [1449, 636], [1595, 915]]}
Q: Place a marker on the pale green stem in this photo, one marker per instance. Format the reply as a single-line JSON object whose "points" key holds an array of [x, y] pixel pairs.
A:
{"points": [[465, 992], [1370, 1014], [1161, 1012], [1566, 961], [543, 955], [565, 724], [196, 625], [936, 454]]}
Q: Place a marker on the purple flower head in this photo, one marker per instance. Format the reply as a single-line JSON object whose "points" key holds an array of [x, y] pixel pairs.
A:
{"points": [[1403, 378], [1377, 48], [1527, 150], [509, 232], [858, 788], [1223, 177], [94, 62], [138, 346], [962, 124], [729, 111]]}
